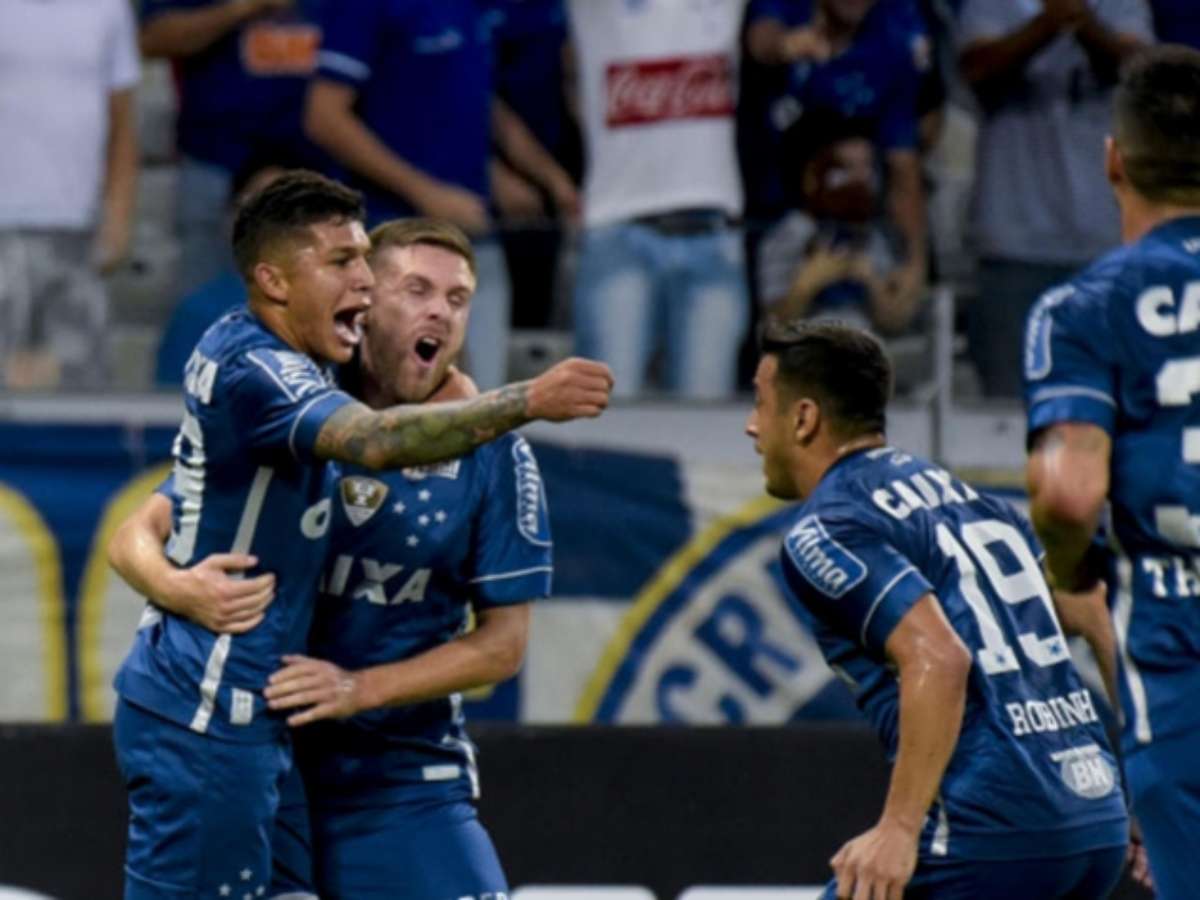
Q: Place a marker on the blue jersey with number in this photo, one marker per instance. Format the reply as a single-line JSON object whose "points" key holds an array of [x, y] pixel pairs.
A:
{"points": [[245, 480], [413, 552], [1031, 775], [1119, 347]]}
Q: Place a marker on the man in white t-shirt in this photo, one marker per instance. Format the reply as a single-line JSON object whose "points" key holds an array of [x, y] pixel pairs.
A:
{"points": [[68, 69], [661, 268]]}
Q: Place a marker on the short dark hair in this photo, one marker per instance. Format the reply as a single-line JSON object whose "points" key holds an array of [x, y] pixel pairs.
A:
{"points": [[842, 367], [1157, 124], [293, 202], [400, 233]]}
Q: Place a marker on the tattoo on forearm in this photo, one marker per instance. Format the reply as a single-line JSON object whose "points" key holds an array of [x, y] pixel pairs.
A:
{"points": [[413, 435]]}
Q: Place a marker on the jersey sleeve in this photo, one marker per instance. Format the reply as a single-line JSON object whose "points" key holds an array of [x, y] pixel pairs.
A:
{"points": [[850, 577], [512, 552], [1069, 374], [124, 63], [279, 399], [350, 36]]}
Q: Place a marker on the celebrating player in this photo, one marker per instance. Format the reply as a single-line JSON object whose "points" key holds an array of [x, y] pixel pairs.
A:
{"points": [[1112, 369], [928, 597], [201, 755]]}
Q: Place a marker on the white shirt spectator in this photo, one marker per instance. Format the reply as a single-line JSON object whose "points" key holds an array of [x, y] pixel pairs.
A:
{"points": [[658, 89], [59, 62]]}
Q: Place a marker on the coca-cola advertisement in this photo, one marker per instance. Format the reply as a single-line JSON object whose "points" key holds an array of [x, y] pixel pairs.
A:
{"points": [[681, 87]]}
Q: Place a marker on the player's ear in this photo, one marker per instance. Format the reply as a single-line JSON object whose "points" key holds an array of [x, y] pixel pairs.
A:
{"points": [[1114, 164], [806, 420], [271, 281]]}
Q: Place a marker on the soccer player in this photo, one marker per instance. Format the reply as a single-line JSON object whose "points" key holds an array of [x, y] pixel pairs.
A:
{"points": [[201, 755], [1112, 369], [928, 598]]}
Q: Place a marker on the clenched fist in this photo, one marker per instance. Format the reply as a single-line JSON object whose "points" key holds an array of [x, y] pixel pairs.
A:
{"points": [[573, 389]]}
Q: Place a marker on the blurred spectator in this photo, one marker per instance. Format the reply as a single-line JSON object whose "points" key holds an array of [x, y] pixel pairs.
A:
{"points": [[242, 67], [193, 314], [660, 261], [404, 99], [1044, 73], [1177, 21], [530, 51], [69, 161], [866, 60], [834, 258]]}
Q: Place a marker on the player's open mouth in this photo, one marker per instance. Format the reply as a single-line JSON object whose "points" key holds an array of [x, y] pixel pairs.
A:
{"points": [[427, 349], [348, 325]]}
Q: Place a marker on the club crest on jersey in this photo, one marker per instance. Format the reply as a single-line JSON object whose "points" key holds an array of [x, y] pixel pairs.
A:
{"points": [[530, 499], [447, 469], [826, 564], [362, 497]]}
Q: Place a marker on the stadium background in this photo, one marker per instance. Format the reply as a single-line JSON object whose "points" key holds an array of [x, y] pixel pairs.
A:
{"points": [[666, 611]]}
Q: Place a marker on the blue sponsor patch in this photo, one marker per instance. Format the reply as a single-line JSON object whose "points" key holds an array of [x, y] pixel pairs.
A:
{"points": [[1038, 360], [824, 563]]}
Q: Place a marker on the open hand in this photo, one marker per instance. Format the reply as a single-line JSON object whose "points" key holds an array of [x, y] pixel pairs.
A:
{"points": [[329, 691], [214, 594], [877, 864]]}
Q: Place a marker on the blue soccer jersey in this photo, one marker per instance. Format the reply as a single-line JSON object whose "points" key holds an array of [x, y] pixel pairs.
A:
{"points": [[413, 551], [1031, 775], [1119, 347], [437, 56], [245, 480]]}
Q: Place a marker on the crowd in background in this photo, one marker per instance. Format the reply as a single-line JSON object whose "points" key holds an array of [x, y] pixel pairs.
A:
{"points": [[649, 178]]}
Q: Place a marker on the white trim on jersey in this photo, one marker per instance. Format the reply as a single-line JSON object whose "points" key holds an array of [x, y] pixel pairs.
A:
{"points": [[214, 669], [345, 64], [1056, 392], [514, 574], [299, 416], [1122, 615], [940, 845], [862, 637]]}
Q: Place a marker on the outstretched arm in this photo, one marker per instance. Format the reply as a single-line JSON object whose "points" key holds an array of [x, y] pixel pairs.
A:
{"points": [[933, 666], [209, 593], [420, 434], [489, 654]]}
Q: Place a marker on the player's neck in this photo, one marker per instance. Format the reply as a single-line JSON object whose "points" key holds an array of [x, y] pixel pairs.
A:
{"points": [[1139, 217], [272, 316], [834, 453]]}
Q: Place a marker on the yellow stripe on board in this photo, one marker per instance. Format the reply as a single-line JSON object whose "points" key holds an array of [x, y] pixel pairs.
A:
{"points": [[94, 687], [48, 564], [661, 586]]}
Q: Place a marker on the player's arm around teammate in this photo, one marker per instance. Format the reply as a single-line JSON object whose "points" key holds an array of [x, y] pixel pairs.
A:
{"points": [[933, 665]]}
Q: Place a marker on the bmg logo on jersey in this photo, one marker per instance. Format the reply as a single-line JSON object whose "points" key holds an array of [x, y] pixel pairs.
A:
{"points": [[1085, 771], [829, 567]]}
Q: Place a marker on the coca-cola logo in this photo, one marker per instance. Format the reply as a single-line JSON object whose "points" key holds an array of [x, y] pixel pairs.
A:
{"points": [[682, 87]]}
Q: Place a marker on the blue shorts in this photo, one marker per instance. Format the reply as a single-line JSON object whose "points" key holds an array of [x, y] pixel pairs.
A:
{"points": [[1164, 783], [430, 846], [201, 810], [1084, 876]]}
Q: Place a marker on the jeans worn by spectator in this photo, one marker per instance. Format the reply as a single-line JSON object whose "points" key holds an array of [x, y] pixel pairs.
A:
{"points": [[636, 283], [996, 323], [53, 310], [201, 210], [488, 328]]}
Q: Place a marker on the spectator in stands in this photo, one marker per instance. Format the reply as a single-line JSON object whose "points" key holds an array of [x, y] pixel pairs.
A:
{"points": [[866, 60], [660, 262], [531, 49], [242, 67], [198, 310], [832, 256], [69, 161], [1177, 21], [1044, 74], [404, 99]]}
